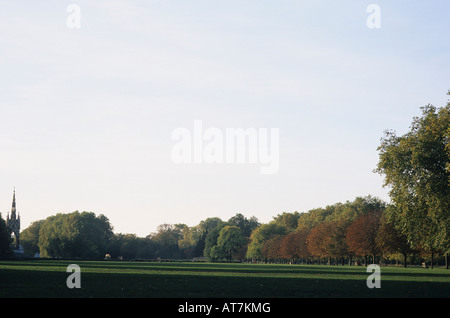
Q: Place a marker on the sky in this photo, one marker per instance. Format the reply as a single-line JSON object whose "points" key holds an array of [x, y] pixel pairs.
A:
{"points": [[92, 91]]}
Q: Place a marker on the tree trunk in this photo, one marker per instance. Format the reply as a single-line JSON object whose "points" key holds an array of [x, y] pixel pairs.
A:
{"points": [[432, 259]]}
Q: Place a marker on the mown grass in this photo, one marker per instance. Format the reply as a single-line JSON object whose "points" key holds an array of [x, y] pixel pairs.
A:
{"points": [[47, 278]]}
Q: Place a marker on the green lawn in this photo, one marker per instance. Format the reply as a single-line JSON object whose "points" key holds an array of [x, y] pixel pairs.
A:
{"points": [[45, 278]]}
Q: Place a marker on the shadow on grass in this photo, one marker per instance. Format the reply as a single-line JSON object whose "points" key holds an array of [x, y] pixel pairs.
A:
{"points": [[32, 283], [260, 269]]}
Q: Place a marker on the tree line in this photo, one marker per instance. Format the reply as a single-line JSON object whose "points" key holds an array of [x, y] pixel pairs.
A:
{"points": [[342, 233], [415, 224], [336, 234], [86, 235]]}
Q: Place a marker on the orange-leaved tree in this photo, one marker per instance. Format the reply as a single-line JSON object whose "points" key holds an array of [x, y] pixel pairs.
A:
{"points": [[320, 240], [361, 235], [294, 246]]}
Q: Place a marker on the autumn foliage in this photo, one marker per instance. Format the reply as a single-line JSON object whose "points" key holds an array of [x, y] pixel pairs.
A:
{"points": [[336, 234], [294, 245], [319, 240], [361, 235]]}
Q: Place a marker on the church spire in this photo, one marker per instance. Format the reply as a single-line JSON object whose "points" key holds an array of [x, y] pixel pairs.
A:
{"points": [[13, 208], [13, 222]]}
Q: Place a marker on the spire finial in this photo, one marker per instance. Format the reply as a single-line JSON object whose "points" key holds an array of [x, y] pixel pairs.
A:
{"points": [[13, 208]]}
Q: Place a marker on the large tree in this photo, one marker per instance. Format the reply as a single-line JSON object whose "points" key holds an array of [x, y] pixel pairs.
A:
{"points": [[230, 241], [319, 240], [211, 227], [271, 249], [81, 235], [294, 246], [390, 240], [362, 233], [338, 247], [416, 167], [328, 240]]}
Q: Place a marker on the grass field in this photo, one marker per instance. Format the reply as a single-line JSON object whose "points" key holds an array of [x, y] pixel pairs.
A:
{"points": [[47, 278]]}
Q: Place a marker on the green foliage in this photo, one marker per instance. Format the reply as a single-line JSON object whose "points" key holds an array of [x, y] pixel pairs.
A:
{"points": [[29, 238], [225, 240], [167, 237], [5, 239], [416, 168], [288, 220], [230, 240], [211, 242], [84, 235], [129, 246], [245, 225], [390, 240], [346, 212], [78, 235], [262, 234]]}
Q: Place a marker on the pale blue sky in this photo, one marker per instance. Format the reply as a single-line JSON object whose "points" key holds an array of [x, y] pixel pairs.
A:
{"points": [[87, 114]]}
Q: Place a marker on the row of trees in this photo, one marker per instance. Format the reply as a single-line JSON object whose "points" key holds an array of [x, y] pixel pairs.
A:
{"points": [[71, 235], [338, 233], [212, 238], [85, 235]]}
